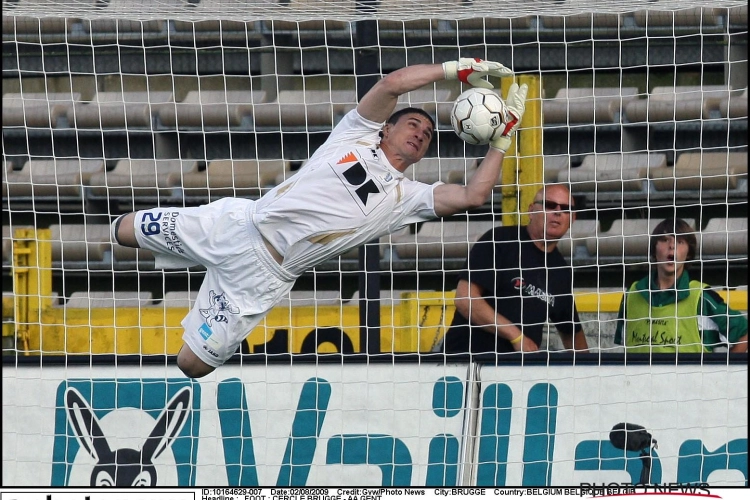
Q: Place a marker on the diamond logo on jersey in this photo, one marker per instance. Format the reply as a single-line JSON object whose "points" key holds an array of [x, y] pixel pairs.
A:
{"points": [[366, 190], [219, 309]]}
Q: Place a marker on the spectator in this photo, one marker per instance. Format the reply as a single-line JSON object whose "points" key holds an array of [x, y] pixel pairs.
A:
{"points": [[515, 280], [668, 312]]}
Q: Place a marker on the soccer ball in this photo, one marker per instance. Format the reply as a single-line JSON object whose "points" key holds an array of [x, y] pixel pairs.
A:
{"points": [[478, 115]]}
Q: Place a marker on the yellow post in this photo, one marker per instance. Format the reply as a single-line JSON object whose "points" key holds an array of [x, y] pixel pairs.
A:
{"points": [[509, 174], [531, 161], [32, 275]]}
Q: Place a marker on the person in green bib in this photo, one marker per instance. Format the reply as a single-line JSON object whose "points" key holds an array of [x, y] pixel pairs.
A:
{"points": [[667, 312]]}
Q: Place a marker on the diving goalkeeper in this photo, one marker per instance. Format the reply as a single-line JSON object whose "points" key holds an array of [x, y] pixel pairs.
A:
{"points": [[352, 190]]}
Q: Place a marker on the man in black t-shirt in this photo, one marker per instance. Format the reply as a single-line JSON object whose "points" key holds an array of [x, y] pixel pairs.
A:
{"points": [[514, 281]]}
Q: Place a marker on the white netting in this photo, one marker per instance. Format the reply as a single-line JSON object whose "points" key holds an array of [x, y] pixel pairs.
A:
{"points": [[341, 10]]}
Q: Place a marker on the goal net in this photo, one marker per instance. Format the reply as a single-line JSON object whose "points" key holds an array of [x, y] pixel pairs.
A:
{"points": [[113, 106]]}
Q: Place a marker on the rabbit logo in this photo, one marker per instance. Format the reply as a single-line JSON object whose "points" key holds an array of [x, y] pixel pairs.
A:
{"points": [[136, 440], [125, 466]]}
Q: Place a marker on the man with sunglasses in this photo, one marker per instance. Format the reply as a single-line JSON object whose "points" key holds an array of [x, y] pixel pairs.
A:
{"points": [[514, 281]]}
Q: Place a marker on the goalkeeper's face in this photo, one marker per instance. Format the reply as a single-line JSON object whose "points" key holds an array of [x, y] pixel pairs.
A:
{"points": [[406, 141]]}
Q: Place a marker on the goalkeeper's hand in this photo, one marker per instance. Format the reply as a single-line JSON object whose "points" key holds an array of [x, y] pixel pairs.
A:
{"points": [[473, 70], [515, 105]]}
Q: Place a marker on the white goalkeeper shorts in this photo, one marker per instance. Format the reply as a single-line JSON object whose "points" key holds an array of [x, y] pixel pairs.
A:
{"points": [[243, 282]]}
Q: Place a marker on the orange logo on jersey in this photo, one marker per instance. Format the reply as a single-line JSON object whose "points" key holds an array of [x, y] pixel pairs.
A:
{"points": [[347, 159]]}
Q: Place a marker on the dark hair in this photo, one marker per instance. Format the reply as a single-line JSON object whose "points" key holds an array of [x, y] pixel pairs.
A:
{"points": [[395, 117], [677, 228]]}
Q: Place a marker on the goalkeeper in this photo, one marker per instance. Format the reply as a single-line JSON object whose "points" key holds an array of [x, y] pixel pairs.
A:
{"points": [[352, 190]]}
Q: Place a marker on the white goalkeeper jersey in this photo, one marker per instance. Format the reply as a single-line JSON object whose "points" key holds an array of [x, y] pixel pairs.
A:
{"points": [[347, 194]]}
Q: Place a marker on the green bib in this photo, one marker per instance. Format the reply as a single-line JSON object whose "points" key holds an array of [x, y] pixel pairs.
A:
{"points": [[665, 329]]}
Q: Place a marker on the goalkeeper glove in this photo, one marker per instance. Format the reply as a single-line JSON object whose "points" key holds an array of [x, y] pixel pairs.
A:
{"points": [[515, 104], [472, 70]]}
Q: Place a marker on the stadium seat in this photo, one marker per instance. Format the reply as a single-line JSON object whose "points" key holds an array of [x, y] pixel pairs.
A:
{"points": [[35, 30], [179, 298], [297, 298], [119, 109], [397, 10], [56, 179], [575, 240], [109, 300], [612, 172], [440, 239], [582, 21], [493, 22], [695, 18], [553, 165], [627, 238], [448, 170], [723, 238], [139, 178], [231, 177], [129, 258], [208, 9], [737, 16], [688, 102], [114, 19], [319, 11], [387, 297], [587, 104], [37, 109], [211, 108], [75, 245], [734, 106], [699, 171], [301, 108]]}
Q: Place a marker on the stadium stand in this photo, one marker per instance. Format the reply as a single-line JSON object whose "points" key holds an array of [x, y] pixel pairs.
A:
{"points": [[36, 109], [587, 105], [612, 172], [703, 172], [305, 108], [231, 177], [216, 109], [79, 246], [119, 109], [734, 106], [108, 300], [677, 103], [440, 239], [59, 179], [138, 178], [448, 170], [626, 240], [724, 237]]}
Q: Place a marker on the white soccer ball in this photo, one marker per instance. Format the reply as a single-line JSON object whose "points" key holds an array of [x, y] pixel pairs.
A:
{"points": [[478, 115]]}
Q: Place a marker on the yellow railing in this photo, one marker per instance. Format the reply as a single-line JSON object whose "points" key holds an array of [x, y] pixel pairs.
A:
{"points": [[415, 323]]}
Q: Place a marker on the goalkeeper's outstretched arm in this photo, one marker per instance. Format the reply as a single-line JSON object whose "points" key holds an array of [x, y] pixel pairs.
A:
{"points": [[380, 101], [452, 198]]}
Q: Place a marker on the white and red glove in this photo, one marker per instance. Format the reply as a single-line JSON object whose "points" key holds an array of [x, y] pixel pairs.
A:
{"points": [[473, 70], [515, 105]]}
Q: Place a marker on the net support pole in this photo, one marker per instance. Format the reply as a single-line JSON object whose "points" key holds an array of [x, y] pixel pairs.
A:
{"points": [[530, 153], [367, 71], [523, 171]]}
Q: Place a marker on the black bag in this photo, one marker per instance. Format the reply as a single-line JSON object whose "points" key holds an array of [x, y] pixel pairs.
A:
{"points": [[631, 437]]}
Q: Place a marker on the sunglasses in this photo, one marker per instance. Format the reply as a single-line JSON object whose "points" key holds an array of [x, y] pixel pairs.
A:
{"points": [[553, 205]]}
